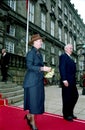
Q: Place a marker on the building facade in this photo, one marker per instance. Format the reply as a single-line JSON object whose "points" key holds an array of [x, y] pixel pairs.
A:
{"points": [[57, 20]]}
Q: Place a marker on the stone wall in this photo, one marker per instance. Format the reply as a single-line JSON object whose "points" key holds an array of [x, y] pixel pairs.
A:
{"points": [[16, 75]]}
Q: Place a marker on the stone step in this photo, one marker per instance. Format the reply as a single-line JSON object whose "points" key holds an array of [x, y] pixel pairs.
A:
{"points": [[7, 85], [8, 89], [19, 104], [12, 94], [15, 99]]}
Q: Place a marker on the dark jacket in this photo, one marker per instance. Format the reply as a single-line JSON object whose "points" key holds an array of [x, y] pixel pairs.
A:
{"points": [[70, 94], [5, 60], [33, 75], [67, 69]]}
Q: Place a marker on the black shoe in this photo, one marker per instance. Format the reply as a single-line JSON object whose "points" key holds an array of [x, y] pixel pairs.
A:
{"points": [[34, 127], [3, 80], [28, 122], [74, 117], [69, 118]]}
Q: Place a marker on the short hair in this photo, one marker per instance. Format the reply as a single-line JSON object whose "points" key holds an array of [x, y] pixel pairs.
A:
{"points": [[67, 46], [4, 49]]}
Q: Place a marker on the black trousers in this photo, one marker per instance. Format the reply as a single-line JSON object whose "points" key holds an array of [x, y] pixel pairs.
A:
{"points": [[4, 71], [69, 98]]}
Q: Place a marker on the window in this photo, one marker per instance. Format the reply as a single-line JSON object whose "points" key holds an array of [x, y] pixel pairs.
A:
{"points": [[53, 3], [70, 40], [75, 60], [11, 30], [83, 34], [43, 20], [80, 31], [52, 27], [31, 12], [43, 46], [74, 30], [9, 46], [70, 16], [59, 4], [44, 1], [53, 61], [74, 23], [77, 27], [60, 53], [70, 25], [60, 15], [12, 4], [66, 38], [74, 45], [80, 65], [52, 8], [65, 21], [43, 57], [60, 33], [65, 10], [52, 50]]}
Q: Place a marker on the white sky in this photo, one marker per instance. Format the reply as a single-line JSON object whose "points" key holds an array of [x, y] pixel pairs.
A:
{"points": [[80, 6]]}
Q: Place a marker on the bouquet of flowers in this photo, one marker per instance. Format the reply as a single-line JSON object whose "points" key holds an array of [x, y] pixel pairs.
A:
{"points": [[50, 74]]}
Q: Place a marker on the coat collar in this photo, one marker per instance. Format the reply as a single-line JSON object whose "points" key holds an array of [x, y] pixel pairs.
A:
{"points": [[36, 51]]}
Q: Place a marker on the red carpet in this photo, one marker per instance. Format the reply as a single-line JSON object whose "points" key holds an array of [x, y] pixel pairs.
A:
{"points": [[12, 118]]}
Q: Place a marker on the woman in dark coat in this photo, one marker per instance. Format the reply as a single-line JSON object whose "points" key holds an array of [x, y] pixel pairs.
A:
{"points": [[34, 81]]}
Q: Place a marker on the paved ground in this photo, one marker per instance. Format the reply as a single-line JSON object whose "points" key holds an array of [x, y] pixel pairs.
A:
{"points": [[53, 102]]}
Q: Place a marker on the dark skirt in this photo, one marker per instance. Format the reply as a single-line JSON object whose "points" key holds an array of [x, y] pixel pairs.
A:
{"points": [[34, 99]]}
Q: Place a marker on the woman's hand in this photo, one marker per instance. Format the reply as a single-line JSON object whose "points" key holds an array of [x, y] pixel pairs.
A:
{"points": [[46, 69]]}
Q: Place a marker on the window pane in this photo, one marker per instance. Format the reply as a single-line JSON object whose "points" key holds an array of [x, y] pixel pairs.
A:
{"points": [[66, 38], [52, 50], [52, 27], [74, 45], [31, 12], [9, 46], [11, 30], [43, 46], [65, 10], [53, 60], [59, 3], [70, 39], [60, 33], [12, 4], [43, 20], [43, 57]]}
